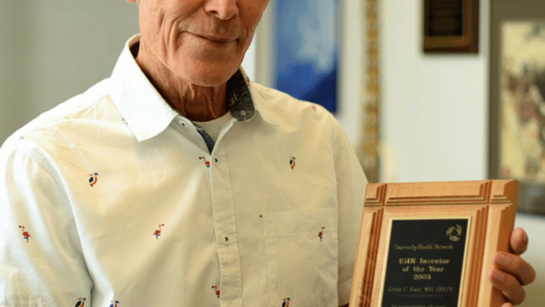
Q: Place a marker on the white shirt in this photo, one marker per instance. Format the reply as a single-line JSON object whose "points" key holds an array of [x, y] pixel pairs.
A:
{"points": [[123, 203], [213, 127]]}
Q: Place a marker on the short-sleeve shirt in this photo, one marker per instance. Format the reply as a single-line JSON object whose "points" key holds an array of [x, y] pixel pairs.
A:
{"points": [[113, 198]]}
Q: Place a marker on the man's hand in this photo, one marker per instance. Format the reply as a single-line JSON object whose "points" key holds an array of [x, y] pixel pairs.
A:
{"points": [[510, 271]]}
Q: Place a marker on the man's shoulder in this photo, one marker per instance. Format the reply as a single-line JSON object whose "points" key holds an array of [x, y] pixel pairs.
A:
{"points": [[74, 109], [288, 108]]}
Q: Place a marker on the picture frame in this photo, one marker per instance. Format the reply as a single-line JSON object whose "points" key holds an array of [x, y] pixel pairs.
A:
{"points": [[368, 147], [431, 243], [451, 26], [506, 15]]}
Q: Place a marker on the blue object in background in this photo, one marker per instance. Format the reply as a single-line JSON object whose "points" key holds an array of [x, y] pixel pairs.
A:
{"points": [[306, 50]]}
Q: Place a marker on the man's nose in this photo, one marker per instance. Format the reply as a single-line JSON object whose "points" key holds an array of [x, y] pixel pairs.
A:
{"points": [[222, 9]]}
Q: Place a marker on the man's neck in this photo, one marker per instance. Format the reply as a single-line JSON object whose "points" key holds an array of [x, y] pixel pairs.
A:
{"points": [[197, 103]]}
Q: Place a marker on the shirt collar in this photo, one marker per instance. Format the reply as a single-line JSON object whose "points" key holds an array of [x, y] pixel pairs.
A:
{"points": [[142, 107], [256, 99], [244, 101], [148, 114]]}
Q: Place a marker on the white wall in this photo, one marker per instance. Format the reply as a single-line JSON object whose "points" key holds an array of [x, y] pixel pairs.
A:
{"points": [[53, 50], [12, 51], [434, 107], [352, 70]]}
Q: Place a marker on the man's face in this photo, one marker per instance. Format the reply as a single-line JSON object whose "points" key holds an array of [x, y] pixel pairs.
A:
{"points": [[201, 41]]}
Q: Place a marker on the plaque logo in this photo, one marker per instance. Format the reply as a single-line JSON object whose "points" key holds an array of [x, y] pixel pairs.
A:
{"points": [[454, 233]]}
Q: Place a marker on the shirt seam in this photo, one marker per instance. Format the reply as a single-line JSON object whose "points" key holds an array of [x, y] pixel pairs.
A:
{"points": [[44, 121], [25, 147]]}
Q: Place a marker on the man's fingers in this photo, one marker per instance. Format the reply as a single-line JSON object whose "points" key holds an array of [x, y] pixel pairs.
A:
{"points": [[515, 266], [509, 285], [518, 241], [509, 274]]}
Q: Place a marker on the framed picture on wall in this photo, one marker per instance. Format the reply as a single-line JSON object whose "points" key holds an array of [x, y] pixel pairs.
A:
{"points": [[451, 26], [517, 98], [306, 49]]}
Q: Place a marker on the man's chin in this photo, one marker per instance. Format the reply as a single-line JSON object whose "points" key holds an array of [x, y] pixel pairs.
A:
{"points": [[210, 77]]}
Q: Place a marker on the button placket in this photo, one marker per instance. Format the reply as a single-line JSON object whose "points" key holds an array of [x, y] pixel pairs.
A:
{"points": [[225, 227]]}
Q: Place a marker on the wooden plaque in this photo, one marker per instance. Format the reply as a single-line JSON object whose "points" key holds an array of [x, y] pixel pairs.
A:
{"points": [[431, 244]]}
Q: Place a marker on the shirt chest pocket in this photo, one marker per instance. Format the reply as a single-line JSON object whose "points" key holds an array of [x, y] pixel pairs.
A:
{"points": [[302, 257]]}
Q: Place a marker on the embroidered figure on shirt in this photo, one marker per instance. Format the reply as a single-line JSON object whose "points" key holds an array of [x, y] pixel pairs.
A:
{"points": [[216, 291], [81, 302], [292, 162], [286, 302], [313, 108], [26, 235], [261, 216], [114, 303], [93, 178], [157, 233], [321, 234], [248, 83], [207, 163]]}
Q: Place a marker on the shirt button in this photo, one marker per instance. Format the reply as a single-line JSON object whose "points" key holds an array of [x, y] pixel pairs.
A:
{"points": [[215, 160], [226, 240]]}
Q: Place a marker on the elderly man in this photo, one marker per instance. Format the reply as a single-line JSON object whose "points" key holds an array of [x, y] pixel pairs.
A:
{"points": [[178, 182]]}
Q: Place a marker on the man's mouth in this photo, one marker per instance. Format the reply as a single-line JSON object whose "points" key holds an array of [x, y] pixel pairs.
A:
{"points": [[215, 39]]}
